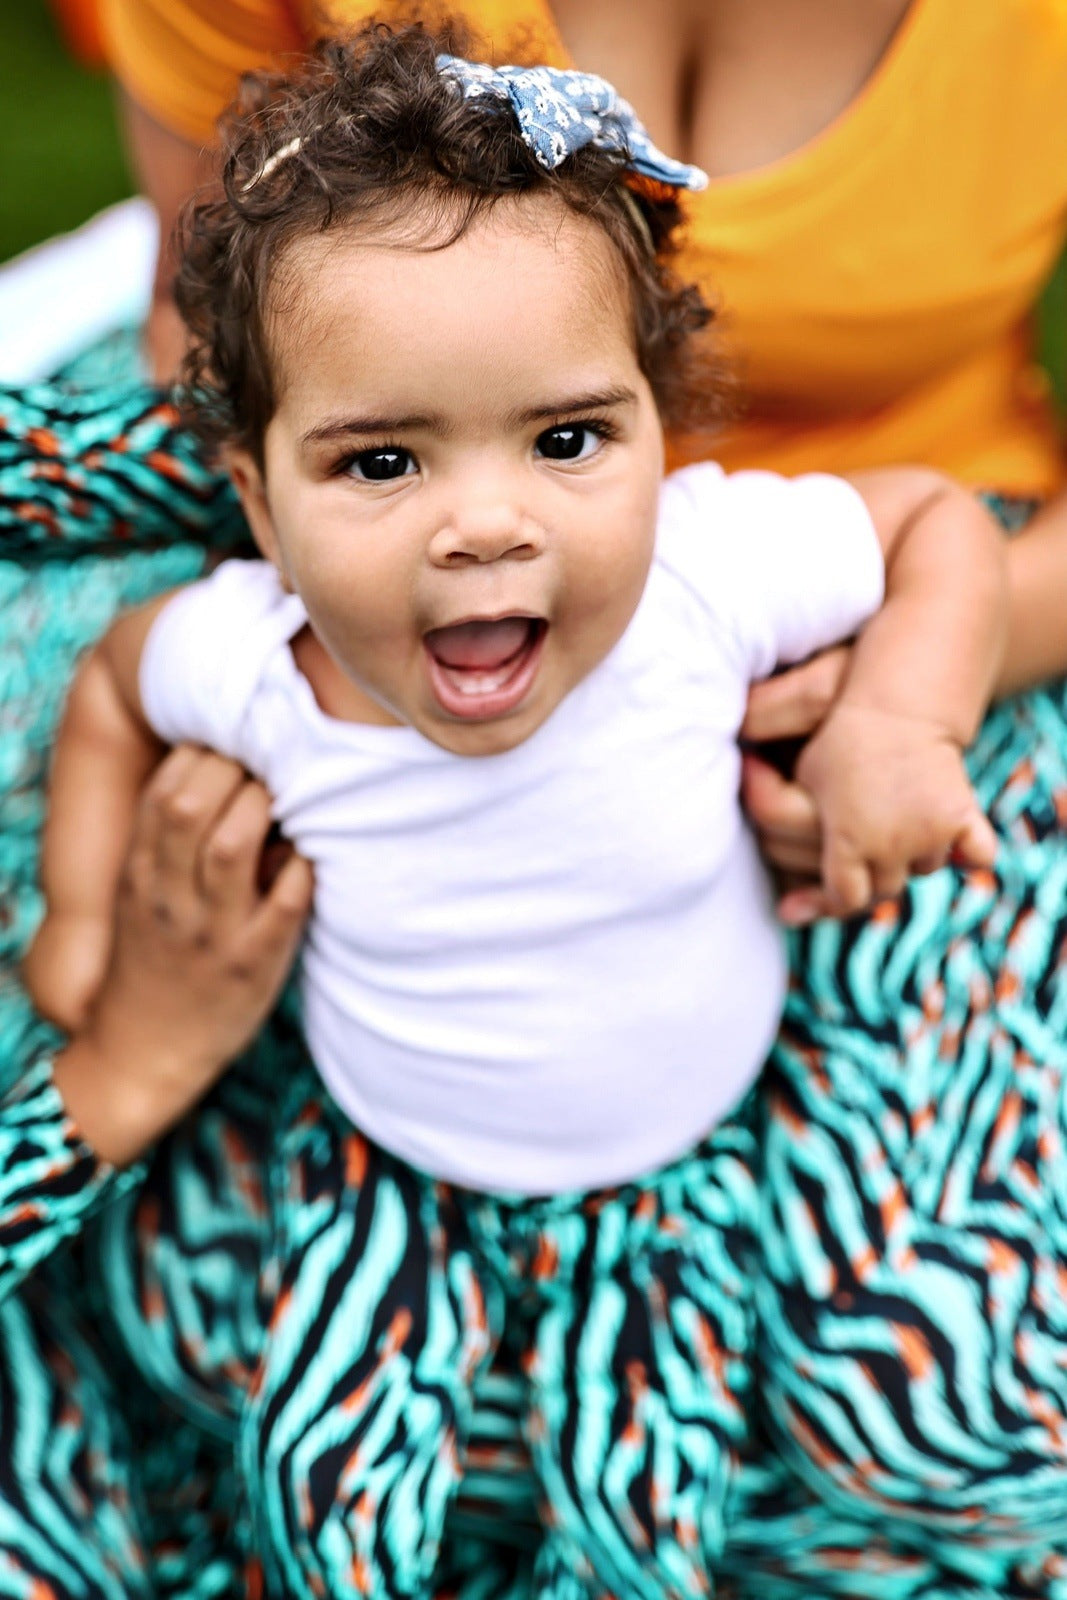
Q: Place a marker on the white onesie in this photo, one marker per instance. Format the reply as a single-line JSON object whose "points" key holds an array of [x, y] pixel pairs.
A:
{"points": [[554, 968]]}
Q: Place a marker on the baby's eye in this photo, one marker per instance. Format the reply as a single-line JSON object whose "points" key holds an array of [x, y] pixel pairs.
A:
{"points": [[569, 441], [381, 466]]}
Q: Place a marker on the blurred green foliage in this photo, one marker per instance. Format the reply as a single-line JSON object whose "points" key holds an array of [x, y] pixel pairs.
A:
{"points": [[60, 154], [1052, 322]]}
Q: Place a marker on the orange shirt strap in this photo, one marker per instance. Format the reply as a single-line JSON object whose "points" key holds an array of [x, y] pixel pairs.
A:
{"points": [[180, 59]]}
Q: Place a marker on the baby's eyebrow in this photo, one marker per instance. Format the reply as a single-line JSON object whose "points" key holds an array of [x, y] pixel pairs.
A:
{"points": [[427, 421], [345, 427], [567, 405]]}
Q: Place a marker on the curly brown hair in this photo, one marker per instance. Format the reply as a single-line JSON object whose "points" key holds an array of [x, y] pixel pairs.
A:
{"points": [[367, 129]]}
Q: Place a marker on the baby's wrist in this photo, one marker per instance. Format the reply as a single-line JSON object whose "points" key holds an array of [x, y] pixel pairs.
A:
{"points": [[945, 725]]}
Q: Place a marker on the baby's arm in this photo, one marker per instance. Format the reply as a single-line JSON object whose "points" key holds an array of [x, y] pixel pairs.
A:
{"points": [[104, 754], [886, 767]]}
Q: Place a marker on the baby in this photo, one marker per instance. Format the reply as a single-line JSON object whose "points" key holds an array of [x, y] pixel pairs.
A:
{"points": [[492, 668]]}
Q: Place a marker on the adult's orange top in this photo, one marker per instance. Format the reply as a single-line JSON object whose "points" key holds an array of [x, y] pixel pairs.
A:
{"points": [[876, 285]]}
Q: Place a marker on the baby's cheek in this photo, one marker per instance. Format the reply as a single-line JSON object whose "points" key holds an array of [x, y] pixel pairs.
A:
{"points": [[611, 580]]}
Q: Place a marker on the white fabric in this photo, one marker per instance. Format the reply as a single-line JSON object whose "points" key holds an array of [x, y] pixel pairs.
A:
{"points": [[60, 297], [558, 967]]}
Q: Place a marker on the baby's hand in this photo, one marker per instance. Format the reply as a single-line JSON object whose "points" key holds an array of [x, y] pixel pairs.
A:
{"points": [[65, 965], [894, 800]]}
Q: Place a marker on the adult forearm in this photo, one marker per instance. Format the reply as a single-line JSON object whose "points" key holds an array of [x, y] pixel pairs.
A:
{"points": [[120, 1114], [168, 169], [51, 1181]]}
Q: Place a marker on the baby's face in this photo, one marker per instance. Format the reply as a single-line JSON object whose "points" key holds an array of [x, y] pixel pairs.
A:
{"points": [[461, 475]]}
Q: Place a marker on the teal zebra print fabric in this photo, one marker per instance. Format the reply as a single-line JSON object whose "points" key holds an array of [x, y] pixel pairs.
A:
{"points": [[627, 1311], [908, 1439], [89, 485]]}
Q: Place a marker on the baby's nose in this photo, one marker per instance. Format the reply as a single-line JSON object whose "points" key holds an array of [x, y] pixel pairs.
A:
{"points": [[495, 531]]}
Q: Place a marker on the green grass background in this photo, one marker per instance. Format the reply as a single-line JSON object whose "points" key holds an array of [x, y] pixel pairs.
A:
{"points": [[1053, 333], [61, 158], [60, 154]]}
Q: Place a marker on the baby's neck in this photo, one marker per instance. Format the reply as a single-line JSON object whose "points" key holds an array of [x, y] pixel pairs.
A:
{"points": [[335, 694]]}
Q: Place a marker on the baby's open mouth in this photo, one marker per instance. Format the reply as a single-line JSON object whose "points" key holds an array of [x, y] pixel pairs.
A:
{"points": [[484, 669]]}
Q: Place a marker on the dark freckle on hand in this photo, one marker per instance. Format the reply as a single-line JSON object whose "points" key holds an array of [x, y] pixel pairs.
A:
{"points": [[162, 914]]}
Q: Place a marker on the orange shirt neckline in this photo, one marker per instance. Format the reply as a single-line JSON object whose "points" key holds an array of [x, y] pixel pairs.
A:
{"points": [[822, 147]]}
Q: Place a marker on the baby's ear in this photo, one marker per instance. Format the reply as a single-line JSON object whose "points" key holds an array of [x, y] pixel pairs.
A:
{"points": [[247, 477]]}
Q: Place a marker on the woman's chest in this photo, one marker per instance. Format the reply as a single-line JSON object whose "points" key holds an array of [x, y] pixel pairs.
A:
{"points": [[733, 84]]}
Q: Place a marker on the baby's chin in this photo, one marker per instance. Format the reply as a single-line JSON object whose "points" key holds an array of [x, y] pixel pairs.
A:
{"points": [[491, 737]]}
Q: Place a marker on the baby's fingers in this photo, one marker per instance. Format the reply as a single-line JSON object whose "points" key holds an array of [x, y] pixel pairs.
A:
{"points": [[888, 880], [847, 879], [976, 843]]}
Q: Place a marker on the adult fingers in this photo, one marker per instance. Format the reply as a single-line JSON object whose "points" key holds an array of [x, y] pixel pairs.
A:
{"points": [[797, 859], [798, 907], [775, 804], [794, 703], [188, 809], [230, 849], [149, 822], [278, 920]]}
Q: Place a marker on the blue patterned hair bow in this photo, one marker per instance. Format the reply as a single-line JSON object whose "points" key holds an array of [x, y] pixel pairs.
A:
{"points": [[560, 112]]}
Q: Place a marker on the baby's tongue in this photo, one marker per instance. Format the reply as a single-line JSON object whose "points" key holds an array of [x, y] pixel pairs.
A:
{"points": [[478, 646]]}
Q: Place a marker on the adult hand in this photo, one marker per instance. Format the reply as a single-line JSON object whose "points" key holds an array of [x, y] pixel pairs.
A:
{"points": [[782, 812], [201, 950]]}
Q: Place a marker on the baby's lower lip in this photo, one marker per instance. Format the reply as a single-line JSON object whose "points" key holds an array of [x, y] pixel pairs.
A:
{"points": [[477, 696]]}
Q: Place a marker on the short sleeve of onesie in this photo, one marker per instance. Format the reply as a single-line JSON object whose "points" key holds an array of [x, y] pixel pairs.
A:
{"points": [[206, 650], [786, 566]]}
